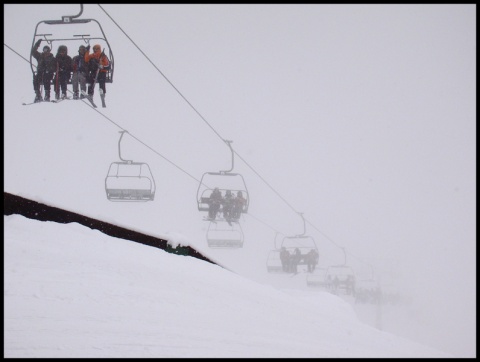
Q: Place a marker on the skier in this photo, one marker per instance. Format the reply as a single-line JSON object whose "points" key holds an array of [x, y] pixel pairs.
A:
{"points": [[238, 205], [99, 65], [227, 206], [46, 67], [295, 260], [312, 259], [64, 70], [285, 259], [214, 203], [80, 70]]}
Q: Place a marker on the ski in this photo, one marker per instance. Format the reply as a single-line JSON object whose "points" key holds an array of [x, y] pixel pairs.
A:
{"points": [[102, 96], [28, 104], [89, 99], [59, 100]]}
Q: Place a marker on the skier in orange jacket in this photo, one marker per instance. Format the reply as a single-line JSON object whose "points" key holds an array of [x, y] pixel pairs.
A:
{"points": [[97, 61]]}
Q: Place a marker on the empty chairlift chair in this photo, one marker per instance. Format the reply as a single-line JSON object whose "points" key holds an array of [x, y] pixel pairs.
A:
{"points": [[221, 234], [129, 181]]}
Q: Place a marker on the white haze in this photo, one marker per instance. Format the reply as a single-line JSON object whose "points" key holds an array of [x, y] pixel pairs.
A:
{"points": [[360, 116]]}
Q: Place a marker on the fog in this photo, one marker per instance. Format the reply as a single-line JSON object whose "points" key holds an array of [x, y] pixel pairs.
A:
{"points": [[361, 117]]}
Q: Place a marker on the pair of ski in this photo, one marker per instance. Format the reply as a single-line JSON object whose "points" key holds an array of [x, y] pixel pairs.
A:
{"points": [[83, 92], [53, 101], [102, 95], [90, 98], [59, 100]]}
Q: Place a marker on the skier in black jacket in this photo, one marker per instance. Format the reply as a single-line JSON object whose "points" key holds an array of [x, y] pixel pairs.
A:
{"points": [[64, 71], [46, 67], [80, 72]]}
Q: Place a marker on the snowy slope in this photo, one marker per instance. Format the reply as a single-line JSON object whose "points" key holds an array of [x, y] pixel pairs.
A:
{"points": [[73, 292]]}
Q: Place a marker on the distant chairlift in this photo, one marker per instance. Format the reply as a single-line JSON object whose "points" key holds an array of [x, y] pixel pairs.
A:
{"points": [[72, 33], [224, 180], [334, 278], [128, 180], [339, 279], [303, 242]]}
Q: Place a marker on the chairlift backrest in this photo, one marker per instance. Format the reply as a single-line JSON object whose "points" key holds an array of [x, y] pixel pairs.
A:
{"points": [[224, 181], [300, 241], [130, 181], [342, 272]]}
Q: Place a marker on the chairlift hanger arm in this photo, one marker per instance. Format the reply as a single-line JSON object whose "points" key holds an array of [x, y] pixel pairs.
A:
{"points": [[75, 16], [231, 149], [119, 149], [304, 227], [69, 18]]}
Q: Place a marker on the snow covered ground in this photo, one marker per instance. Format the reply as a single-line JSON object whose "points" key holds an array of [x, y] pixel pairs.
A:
{"points": [[70, 291]]}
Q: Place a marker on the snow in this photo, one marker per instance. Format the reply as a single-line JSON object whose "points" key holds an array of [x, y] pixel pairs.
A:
{"points": [[73, 292], [377, 153]]}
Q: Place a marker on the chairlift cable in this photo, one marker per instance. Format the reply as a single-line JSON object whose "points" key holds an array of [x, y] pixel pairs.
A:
{"points": [[140, 141], [164, 76], [203, 118], [199, 114], [120, 127], [21, 56], [186, 100]]}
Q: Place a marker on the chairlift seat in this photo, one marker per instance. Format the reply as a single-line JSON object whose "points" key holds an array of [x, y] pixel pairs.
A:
{"points": [[221, 234], [129, 181]]}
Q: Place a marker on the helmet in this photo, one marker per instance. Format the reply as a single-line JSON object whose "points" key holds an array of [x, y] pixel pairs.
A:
{"points": [[62, 48], [81, 47], [97, 46], [229, 193], [46, 48], [239, 194]]}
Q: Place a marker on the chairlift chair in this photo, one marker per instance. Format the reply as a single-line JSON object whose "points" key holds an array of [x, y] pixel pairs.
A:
{"points": [[303, 242], [317, 279], [129, 181], [224, 180], [222, 234], [340, 278], [73, 32]]}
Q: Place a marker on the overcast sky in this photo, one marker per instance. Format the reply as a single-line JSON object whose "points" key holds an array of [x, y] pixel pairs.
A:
{"points": [[360, 116]]}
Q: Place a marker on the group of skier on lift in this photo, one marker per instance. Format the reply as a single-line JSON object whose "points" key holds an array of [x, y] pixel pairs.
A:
{"points": [[290, 262], [86, 68], [232, 205]]}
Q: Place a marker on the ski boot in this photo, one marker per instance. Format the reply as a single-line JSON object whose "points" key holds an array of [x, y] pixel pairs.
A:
{"points": [[64, 95], [38, 97], [47, 96], [75, 95], [57, 95]]}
